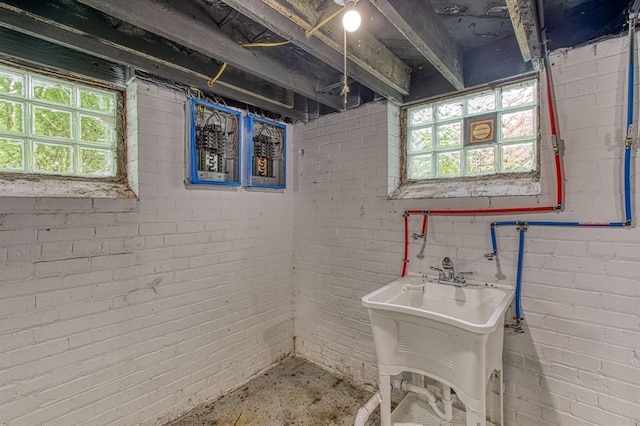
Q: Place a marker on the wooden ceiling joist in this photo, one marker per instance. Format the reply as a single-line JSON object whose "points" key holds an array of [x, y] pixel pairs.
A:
{"points": [[197, 34], [373, 64], [525, 25], [287, 28], [88, 31], [420, 24], [33, 51]]}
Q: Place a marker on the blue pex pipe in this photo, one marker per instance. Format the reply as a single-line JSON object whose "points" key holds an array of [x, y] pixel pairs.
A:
{"points": [[575, 224], [559, 224], [507, 223], [631, 77], [494, 241], [519, 276], [630, 100], [627, 184]]}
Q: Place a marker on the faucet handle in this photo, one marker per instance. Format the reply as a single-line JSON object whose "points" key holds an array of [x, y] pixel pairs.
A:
{"points": [[441, 274]]}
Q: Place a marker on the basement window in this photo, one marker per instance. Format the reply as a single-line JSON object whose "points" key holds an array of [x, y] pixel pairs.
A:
{"points": [[54, 129], [462, 144], [53, 126]]}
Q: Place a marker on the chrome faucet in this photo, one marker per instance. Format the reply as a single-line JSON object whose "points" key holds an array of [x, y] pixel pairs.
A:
{"points": [[450, 277], [447, 265]]}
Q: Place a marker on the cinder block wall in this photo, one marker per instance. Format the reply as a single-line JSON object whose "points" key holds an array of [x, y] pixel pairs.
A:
{"points": [[125, 311], [578, 362]]}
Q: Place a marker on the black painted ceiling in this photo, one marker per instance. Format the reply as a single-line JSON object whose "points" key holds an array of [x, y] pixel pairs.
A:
{"points": [[482, 29]]}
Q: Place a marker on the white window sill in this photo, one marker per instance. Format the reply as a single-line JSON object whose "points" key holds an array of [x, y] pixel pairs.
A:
{"points": [[479, 186], [41, 186]]}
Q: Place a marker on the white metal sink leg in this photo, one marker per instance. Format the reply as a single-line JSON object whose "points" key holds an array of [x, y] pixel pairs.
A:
{"points": [[501, 397], [476, 418], [385, 404]]}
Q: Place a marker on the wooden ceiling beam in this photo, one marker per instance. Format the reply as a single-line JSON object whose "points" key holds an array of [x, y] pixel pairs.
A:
{"points": [[288, 29], [420, 24], [32, 51], [74, 31], [525, 25], [369, 59], [195, 32]]}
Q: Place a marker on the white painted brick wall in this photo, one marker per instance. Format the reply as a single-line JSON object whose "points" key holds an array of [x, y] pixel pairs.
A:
{"points": [[579, 362], [124, 311]]}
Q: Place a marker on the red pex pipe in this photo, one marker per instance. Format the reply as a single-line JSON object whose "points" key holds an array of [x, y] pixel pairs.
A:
{"points": [[552, 110], [559, 180], [405, 261], [483, 211], [554, 134], [489, 211]]}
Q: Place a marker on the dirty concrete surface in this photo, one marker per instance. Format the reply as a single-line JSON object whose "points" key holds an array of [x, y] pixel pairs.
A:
{"points": [[295, 392]]}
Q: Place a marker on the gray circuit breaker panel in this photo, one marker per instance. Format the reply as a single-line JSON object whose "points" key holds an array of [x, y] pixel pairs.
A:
{"points": [[214, 149], [266, 163]]}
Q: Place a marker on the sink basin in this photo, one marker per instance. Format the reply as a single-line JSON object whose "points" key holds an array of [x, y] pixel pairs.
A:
{"points": [[479, 307], [451, 334]]}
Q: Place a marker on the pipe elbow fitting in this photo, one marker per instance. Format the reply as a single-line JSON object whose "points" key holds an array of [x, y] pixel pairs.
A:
{"points": [[361, 417], [365, 411]]}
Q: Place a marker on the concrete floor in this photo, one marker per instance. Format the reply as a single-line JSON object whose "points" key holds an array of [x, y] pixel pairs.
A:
{"points": [[295, 392]]}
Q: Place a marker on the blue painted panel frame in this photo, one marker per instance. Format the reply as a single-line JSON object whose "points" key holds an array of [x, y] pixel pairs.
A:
{"points": [[193, 170], [250, 119]]}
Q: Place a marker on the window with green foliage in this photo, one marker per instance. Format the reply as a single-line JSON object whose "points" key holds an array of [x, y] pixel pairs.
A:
{"points": [[479, 133], [53, 126]]}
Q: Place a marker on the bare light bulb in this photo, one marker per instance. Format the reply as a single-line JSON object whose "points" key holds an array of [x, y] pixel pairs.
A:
{"points": [[351, 20]]}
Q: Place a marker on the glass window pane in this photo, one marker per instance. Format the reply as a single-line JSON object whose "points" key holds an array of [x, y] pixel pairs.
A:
{"points": [[94, 129], [450, 110], [518, 125], [480, 161], [517, 96], [518, 158], [96, 162], [97, 101], [482, 103], [419, 167], [420, 140], [51, 91], [11, 83], [51, 158], [11, 154], [11, 116], [52, 123], [420, 116], [436, 145], [449, 164], [450, 135]]}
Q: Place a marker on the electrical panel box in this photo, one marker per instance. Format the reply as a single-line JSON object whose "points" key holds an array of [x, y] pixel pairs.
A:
{"points": [[214, 148], [266, 162]]}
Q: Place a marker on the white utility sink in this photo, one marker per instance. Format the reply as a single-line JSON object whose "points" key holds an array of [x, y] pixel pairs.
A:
{"points": [[452, 334], [478, 307]]}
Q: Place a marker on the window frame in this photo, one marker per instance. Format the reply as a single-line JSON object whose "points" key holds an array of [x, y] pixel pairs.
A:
{"points": [[519, 177], [77, 83]]}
